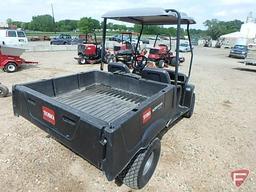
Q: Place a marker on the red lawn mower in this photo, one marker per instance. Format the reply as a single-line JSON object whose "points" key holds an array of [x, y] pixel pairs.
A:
{"points": [[89, 52], [125, 51], [10, 59], [161, 55]]}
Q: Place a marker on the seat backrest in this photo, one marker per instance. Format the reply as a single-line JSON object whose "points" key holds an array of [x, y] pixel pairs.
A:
{"points": [[115, 67], [181, 77], [156, 74]]}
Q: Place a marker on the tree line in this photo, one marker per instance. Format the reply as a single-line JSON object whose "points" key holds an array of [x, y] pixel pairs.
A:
{"points": [[46, 23]]}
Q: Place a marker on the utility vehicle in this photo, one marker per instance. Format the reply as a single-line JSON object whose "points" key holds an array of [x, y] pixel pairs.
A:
{"points": [[116, 119]]}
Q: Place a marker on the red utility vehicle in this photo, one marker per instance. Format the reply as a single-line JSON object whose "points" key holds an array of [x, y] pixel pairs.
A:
{"points": [[10, 59]]}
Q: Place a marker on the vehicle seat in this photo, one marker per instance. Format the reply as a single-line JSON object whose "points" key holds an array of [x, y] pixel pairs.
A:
{"points": [[156, 74], [115, 67], [182, 78]]}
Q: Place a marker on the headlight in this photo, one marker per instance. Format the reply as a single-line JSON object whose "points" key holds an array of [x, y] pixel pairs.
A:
{"points": [[243, 52]]}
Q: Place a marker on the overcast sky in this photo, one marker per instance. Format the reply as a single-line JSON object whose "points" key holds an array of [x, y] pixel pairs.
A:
{"points": [[201, 10]]}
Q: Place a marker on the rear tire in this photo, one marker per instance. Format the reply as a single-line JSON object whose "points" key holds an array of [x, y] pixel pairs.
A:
{"points": [[140, 170], [191, 111], [11, 67], [3, 91]]}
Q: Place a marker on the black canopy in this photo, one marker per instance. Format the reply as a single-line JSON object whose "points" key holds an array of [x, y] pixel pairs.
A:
{"points": [[148, 16]]}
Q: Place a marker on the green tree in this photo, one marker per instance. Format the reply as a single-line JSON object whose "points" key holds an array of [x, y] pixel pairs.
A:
{"points": [[88, 25], [9, 21], [66, 25], [216, 28], [42, 23], [154, 30]]}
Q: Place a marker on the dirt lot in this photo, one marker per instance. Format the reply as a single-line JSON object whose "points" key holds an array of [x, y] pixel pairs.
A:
{"points": [[198, 154]]}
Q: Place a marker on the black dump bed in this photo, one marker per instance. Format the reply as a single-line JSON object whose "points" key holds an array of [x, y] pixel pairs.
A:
{"points": [[102, 101], [99, 115]]}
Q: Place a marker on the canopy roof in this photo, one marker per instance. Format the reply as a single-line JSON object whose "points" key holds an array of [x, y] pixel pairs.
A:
{"points": [[148, 16]]}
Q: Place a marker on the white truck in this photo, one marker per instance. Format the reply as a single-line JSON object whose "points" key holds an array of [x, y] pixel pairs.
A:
{"points": [[13, 37]]}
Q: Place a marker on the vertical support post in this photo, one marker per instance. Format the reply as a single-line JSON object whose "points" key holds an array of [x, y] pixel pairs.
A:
{"points": [[191, 52], [177, 44], [103, 43], [156, 40], [137, 45]]}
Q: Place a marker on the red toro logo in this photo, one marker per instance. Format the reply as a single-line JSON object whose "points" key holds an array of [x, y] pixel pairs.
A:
{"points": [[146, 116], [48, 115], [239, 176]]}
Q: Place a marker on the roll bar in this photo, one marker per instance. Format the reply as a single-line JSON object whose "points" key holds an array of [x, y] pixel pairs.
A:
{"points": [[188, 21]]}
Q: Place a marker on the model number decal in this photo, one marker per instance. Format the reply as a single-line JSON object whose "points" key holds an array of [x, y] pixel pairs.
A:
{"points": [[48, 115], [146, 116], [158, 107]]}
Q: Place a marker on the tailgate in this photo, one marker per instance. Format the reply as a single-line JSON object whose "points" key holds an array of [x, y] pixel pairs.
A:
{"points": [[74, 129]]}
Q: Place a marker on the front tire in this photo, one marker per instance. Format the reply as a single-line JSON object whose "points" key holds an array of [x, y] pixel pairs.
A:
{"points": [[11, 67], [140, 170], [82, 61], [3, 91]]}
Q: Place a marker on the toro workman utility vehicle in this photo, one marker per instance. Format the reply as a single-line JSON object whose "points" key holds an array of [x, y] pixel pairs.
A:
{"points": [[115, 119]]}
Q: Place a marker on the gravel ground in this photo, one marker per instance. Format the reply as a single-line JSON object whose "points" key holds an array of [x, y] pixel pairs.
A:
{"points": [[198, 154]]}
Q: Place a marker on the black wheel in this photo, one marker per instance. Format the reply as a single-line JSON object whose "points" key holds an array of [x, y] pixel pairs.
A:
{"points": [[191, 111], [10, 67], [82, 61], [173, 62], [161, 64], [109, 58], [140, 170], [3, 91]]}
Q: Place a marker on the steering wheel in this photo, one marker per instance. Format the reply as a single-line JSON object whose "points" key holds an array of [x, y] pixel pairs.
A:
{"points": [[139, 62]]}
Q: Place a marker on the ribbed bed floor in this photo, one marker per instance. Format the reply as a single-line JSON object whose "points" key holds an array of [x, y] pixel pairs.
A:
{"points": [[103, 102]]}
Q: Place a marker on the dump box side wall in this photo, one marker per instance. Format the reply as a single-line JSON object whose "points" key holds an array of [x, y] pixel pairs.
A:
{"points": [[126, 139]]}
